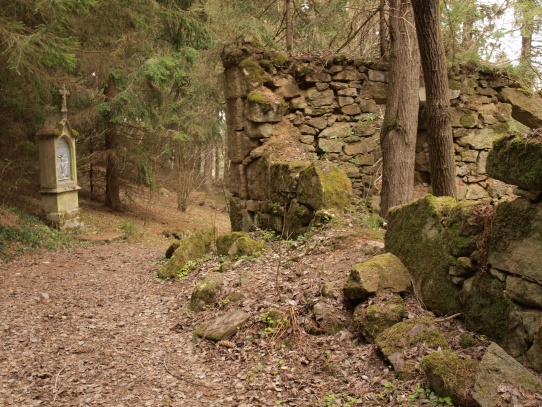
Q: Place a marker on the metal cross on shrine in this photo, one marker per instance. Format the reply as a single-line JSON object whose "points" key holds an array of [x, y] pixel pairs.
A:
{"points": [[64, 93]]}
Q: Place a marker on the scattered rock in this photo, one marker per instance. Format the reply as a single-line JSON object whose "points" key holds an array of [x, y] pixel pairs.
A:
{"points": [[451, 375], [206, 292], [501, 380], [372, 319], [223, 327], [382, 273]]}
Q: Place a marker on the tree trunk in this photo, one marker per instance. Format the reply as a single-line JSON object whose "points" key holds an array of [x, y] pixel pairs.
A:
{"points": [[435, 73], [383, 29], [289, 29], [526, 14], [217, 163], [398, 134], [112, 178], [208, 169], [112, 181]]}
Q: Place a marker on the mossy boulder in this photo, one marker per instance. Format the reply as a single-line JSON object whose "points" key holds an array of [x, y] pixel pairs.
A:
{"points": [[190, 248], [238, 244], [416, 236], [224, 242], [372, 319], [380, 274], [410, 333], [517, 161], [451, 375], [395, 342], [515, 239], [490, 312], [324, 185], [206, 291], [499, 376]]}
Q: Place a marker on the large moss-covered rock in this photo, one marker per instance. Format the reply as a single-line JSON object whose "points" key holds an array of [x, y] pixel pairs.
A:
{"points": [[382, 273], [224, 242], [372, 319], [490, 312], [518, 161], [415, 235], [238, 244], [410, 333], [190, 248], [450, 375], [526, 109], [515, 240], [324, 185], [501, 379], [395, 342], [206, 292]]}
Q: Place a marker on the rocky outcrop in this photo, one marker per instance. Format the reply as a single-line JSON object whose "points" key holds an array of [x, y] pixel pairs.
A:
{"points": [[482, 261]]}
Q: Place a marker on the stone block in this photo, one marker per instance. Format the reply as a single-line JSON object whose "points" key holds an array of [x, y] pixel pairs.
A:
{"points": [[524, 292], [257, 130], [287, 87], [517, 161], [316, 98], [351, 110], [239, 146], [318, 122], [515, 240], [526, 109], [378, 76], [368, 106], [330, 145], [235, 84], [324, 185], [338, 130], [264, 106], [377, 91]]}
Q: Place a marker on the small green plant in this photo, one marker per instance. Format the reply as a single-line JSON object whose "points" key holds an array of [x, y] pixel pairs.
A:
{"points": [[129, 228]]}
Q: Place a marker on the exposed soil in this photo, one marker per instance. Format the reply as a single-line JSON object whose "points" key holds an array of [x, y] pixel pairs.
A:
{"points": [[92, 325]]}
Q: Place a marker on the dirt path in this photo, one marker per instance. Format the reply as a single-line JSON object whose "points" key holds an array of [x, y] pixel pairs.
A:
{"points": [[91, 326]]}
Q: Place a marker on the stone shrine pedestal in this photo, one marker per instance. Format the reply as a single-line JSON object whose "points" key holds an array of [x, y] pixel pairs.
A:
{"points": [[58, 172]]}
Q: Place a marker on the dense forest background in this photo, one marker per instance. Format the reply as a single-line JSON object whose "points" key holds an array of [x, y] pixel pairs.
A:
{"points": [[145, 76]]}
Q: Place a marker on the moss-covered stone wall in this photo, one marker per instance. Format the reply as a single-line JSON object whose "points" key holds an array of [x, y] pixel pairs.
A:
{"points": [[300, 108]]}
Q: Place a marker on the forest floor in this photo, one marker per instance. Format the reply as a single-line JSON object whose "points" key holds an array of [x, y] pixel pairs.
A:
{"points": [[91, 325]]}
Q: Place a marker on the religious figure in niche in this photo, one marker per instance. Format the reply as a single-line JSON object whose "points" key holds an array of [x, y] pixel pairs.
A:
{"points": [[63, 160]]}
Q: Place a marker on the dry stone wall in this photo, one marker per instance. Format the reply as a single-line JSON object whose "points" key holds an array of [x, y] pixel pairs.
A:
{"points": [[301, 108]]}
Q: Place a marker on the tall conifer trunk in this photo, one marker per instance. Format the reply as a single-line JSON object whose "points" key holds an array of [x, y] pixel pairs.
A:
{"points": [[435, 73], [112, 177], [398, 134]]}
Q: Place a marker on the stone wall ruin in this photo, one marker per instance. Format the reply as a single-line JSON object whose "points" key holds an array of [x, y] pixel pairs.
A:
{"points": [[284, 112]]}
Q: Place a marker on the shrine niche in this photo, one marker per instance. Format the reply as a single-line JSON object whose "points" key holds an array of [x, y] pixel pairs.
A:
{"points": [[58, 170]]}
